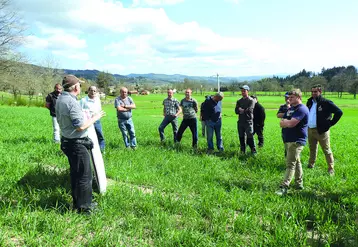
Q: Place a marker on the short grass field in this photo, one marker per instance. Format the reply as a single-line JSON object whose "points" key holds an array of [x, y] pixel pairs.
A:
{"points": [[159, 195]]}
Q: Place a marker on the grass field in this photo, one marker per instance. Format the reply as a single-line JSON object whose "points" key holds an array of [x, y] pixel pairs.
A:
{"points": [[162, 196]]}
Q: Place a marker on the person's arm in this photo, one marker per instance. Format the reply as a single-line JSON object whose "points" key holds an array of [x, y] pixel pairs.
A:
{"points": [[337, 113], [48, 102], [179, 110], [250, 108], [195, 106], [131, 105], [280, 114], [119, 105], [263, 115], [285, 123], [91, 121], [237, 107]]}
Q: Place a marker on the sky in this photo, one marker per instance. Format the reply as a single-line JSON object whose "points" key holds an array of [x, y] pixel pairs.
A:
{"points": [[191, 37]]}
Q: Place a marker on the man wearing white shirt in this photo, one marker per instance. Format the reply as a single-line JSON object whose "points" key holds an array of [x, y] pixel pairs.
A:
{"points": [[322, 116], [92, 103]]}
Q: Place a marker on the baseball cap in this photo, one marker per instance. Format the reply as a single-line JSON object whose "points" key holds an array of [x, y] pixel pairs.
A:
{"points": [[246, 87], [70, 80], [286, 94], [219, 94]]}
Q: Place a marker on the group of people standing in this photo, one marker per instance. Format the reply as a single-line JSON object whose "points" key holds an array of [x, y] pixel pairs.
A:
{"points": [[297, 122]]}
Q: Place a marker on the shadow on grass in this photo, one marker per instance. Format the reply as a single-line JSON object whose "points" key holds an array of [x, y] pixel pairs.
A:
{"points": [[42, 187]]}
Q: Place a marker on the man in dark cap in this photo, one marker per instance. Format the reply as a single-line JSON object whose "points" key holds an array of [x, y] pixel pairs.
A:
{"points": [[75, 142], [244, 109]]}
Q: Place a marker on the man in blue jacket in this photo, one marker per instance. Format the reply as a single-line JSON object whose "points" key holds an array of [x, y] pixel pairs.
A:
{"points": [[320, 120]]}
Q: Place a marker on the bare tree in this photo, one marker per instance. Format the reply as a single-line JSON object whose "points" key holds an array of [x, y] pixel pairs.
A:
{"points": [[11, 34]]}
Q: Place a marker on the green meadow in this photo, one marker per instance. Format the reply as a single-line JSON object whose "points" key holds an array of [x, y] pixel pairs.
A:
{"points": [[159, 195]]}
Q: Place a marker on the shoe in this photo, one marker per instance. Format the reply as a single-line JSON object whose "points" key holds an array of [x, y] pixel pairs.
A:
{"points": [[88, 211], [310, 166], [331, 172], [282, 191], [299, 187], [254, 153], [261, 145], [209, 151], [134, 148]]}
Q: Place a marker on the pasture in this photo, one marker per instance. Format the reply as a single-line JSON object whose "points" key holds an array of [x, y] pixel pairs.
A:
{"points": [[159, 195]]}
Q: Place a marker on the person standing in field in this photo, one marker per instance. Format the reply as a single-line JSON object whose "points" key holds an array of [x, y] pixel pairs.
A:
{"points": [[189, 107], [203, 126], [259, 121], [75, 142], [245, 125], [282, 110], [171, 111], [92, 103], [211, 114], [294, 130], [320, 121], [51, 104], [124, 105]]}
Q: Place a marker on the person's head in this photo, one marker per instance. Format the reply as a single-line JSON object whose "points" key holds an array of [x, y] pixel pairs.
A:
{"points": [[92, 92], [295, 97], [245, 91], [287, 99], [123, 92], [170, 93], [188, 93], [218, 96], [72, 84], [255, 98], [316, 91], [58, 88]]}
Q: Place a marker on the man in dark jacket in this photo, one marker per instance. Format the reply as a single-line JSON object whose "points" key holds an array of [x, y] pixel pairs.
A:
{"points": [[51, 104], [320, 120], [244, 109], [211, 114], [259, 121]]}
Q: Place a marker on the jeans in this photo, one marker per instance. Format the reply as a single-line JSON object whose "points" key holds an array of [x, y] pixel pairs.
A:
{"points": [[168, 120], [56, 130], [99, 132], [127, 127], [192, 124], [210, 128], [80, 173]]}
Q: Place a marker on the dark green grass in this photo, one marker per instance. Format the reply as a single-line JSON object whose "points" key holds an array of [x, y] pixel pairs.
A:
{"points": [[159, 195]]}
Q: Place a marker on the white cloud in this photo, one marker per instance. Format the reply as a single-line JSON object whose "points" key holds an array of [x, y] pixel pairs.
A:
{"points": [[83, 56]]}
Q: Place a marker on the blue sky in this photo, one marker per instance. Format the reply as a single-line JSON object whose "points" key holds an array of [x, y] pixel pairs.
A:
{"points": [[192, 37]]}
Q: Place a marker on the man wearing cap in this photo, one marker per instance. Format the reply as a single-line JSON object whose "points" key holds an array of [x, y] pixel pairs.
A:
{"points": [[294, 129], [282, 110], [189, 106], [320, 121], [211, 114], [245, 108], [75, 142], [92, 103], [124, 105], [50, 104], [171, 111]]}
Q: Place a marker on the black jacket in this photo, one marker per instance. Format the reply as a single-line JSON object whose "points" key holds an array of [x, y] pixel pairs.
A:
{"points": [[259, 115], [325, 109]]}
